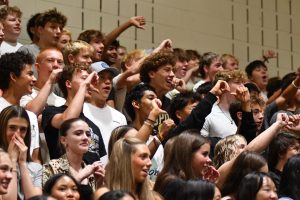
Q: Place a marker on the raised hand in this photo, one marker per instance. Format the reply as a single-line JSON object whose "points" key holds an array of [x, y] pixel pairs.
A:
{"points": [[210, 173], [269, 54], [54, 74], [179, 84], [242, 94], [220, 88], [165, 127], [164, 45], [138, 22]]}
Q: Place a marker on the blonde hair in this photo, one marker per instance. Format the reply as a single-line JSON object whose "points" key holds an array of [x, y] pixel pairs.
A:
{"points": [[74, 48], [119, 174], [226, 149], [132, 56], [228, 75], [226, 57]]}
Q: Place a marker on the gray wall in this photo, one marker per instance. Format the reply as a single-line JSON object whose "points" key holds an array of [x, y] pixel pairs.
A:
{"points": [[242, 27]]}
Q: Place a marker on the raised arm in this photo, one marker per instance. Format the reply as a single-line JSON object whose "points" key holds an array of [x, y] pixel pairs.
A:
{"points": [[289, 92], [137, 21], [75, 106], [37, 104]]}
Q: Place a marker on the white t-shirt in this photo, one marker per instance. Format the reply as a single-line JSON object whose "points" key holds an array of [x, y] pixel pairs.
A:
{"points": [[35, 141], [218, 123], [106, 119], [7, 47], [157, 161], [53, 99]]}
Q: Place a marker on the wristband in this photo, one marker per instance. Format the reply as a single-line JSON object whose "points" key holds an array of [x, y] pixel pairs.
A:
{"points": [[150, 120], [147, 123], [295, 86]]}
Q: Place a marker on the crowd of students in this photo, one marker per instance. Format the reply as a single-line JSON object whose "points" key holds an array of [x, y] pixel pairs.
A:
{"points": [[85, 119]]}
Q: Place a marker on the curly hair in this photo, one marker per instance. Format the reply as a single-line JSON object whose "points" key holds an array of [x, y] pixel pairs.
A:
{"points": [[228, 75], [13, 63], [154, 62]]}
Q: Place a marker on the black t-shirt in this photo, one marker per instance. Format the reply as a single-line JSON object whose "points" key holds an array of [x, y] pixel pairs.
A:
{"points": [[96, 149]]}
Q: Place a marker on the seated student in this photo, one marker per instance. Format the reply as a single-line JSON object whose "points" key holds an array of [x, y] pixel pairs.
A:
{"points": [[6, 167], [257, 185], [10, 16], [282, 147], [130, 159], [290, 182], [15, 138], [76, 84], [75, 138], [17, 80], [71, 188], [188, 159]]}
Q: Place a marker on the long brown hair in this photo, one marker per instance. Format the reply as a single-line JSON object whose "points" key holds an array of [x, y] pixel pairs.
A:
{"points": [[8, 113], [178, 162], [119, 174]]}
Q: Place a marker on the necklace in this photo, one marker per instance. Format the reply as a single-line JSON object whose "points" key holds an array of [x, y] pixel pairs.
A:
{"points": [[229, 118]]}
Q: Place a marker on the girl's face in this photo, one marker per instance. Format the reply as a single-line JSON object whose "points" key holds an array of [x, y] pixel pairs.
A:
{"points": [[5, 172], [78, 137], [18, 126], [65, 189], [201, 159], [141, 162], [267, 191]]}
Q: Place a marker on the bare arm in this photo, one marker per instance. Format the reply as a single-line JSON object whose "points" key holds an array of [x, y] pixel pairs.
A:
{"points": [[137, 21], [289, 92], [37, 104], [75, 107]]}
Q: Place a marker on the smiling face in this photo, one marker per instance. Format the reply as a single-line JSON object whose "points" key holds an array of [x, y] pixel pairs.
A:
{"points": [[18, 126], [77, 138], [162, 79], [65, 189], [267, 191], [5, 172], [12, 27], [141, 162], [213, 68], [25, 81], [201, 159], [180, 68]]}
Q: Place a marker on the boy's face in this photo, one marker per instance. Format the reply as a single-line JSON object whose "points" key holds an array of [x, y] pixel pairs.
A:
{"points": [[180, 68], [83, 57], [213, 68], [98, 46], [162, 79], [77, 79], [260, 76], [231, 64], [104, 86], [12, 25], [26, 80], [258, 115], [111, 54], [50, 60], [50, 33]]}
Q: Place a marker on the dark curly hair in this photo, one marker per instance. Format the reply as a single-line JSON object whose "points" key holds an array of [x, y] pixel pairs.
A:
{"points": [[154, 62], [13, 63], [51, 16]]}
